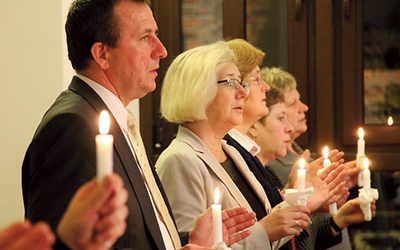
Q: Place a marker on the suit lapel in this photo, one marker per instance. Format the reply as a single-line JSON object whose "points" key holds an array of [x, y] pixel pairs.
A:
{"points": [[136, 180], [247, 173], [188, 137], [125, 156]]}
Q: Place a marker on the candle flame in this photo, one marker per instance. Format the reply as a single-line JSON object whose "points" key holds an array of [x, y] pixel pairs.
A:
{"points": [[390, 121], [104, 122], [325, 152], [360, 133], [216, 196], [302, 162], [366, 163]]}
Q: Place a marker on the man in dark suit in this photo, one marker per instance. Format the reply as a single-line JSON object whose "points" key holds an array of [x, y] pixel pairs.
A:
{"points": [[114, 49]]}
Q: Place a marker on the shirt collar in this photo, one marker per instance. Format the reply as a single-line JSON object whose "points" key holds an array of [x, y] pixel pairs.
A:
{"points": [[113, 103], [247, 143]]}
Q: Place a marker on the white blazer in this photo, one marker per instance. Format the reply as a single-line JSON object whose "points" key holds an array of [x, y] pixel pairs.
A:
{"points": [[190, 173]]}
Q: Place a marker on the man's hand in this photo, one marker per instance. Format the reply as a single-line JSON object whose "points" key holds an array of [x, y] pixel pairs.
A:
{"points": [[95, 217]]}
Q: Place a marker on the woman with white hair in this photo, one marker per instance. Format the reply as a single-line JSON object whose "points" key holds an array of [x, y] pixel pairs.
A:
{"points": [[203, 93]]}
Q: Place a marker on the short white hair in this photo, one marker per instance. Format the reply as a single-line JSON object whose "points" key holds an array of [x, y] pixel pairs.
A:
{"points": [[190, 84]]}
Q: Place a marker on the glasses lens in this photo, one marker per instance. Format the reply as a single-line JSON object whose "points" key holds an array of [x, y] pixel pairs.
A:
{"points": [[233, 83], [236, 84]]}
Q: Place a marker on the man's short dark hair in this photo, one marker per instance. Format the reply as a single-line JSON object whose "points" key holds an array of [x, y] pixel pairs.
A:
{"points": [[88, 22]]}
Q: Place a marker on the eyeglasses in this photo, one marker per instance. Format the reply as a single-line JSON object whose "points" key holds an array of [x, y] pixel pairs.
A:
{"points": [[256, 79], [236, 84]]}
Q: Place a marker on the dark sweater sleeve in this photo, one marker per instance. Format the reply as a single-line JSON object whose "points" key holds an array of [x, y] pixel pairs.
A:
{"points": [[60, 159], [325, 237]]}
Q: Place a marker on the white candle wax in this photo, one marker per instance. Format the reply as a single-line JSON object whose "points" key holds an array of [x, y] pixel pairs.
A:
{"points": [[333, 208], [217, 219], [360, 162], [104, 148], [301, 176], [361, 142], [366, 175], [327, 163]]}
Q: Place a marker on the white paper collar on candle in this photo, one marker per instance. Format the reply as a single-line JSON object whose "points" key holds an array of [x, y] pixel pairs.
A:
{"points": [[366, 197], [292, 195]]}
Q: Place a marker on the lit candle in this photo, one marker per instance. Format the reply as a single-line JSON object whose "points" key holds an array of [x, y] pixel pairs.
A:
{"points": [[217, 219], [327, 163], [360, 142], [390, 121], [325, 153], [366, 175], [104, 148], [360, 155], [301, 176]]}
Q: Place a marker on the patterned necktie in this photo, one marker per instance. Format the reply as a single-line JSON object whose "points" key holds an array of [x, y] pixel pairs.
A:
{"points": [[138, 147]]}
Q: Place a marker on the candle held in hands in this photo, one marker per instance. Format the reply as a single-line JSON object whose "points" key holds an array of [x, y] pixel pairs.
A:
{"points": [[366, 174], [327, 163], [301, 176], [104, 148], [217, 219], [360, 142]]}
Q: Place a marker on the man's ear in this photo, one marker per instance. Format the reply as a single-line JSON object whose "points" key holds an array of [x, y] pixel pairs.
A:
{"points": [[99, 54], [252, 132]]}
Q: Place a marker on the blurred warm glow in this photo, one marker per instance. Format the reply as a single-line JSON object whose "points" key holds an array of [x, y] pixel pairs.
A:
{"points": [[390, 121]]}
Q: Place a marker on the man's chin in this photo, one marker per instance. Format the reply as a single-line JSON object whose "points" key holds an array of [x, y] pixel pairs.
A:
{"points": [[151, 87]]}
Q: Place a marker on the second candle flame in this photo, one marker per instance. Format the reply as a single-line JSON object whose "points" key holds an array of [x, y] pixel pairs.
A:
{"points": [[361, 133], [216, 196], [302, 163], [325, 152], [104, 123]]}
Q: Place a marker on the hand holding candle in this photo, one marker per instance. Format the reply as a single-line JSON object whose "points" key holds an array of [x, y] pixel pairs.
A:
{"points": [[217, 219], [104, 148]]}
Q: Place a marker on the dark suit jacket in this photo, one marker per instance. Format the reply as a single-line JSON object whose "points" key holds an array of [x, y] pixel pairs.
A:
{"points": [[62, 157]]}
